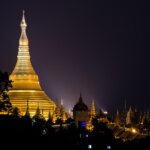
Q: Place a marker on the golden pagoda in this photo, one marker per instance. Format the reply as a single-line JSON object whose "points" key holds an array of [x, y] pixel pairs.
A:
{"points": [[26, 85]]}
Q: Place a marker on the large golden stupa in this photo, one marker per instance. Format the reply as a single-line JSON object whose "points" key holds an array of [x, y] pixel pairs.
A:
{"points": [[26, 86]]}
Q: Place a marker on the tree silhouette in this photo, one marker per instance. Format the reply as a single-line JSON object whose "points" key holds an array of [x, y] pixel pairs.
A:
{"points": [[5, 85], [16, 112]]}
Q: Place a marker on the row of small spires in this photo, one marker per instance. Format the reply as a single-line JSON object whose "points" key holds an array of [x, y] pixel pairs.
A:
{"points": [[127, 115], [92, 111], [53, 117]]}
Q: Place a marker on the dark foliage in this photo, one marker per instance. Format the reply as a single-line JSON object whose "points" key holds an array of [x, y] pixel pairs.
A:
{"points": [[5, 85], [24, 132]]}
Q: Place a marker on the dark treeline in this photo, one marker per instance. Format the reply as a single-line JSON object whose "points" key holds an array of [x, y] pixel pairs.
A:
{"points": [[24, 132]]}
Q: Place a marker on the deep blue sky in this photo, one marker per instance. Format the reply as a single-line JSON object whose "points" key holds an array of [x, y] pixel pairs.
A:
{"points": [[98, 48]]}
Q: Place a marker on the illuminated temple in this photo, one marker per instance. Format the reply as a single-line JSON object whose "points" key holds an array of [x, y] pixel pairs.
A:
{"points": [[26, 85]]}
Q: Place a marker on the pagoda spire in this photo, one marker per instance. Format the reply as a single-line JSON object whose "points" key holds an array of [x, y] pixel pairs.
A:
{"points": [[117, 117], [23, 21], [27, 109], [80, 98], [23, 38], [129, 116], [64, 116], [62, 102], [23, 41], [38, 111], [93, 111], [24, 72], [80, 95]]}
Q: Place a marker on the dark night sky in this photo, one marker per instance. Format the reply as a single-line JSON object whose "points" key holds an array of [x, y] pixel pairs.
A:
{"points": [[98, 48]]}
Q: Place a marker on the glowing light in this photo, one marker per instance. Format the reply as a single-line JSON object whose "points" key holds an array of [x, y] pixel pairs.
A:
{"points": [[105, 112], [134, 130], [89, 146], [108, 147]]}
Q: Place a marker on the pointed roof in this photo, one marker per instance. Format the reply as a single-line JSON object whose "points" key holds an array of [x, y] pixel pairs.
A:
{"points": [[80, 105]]}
